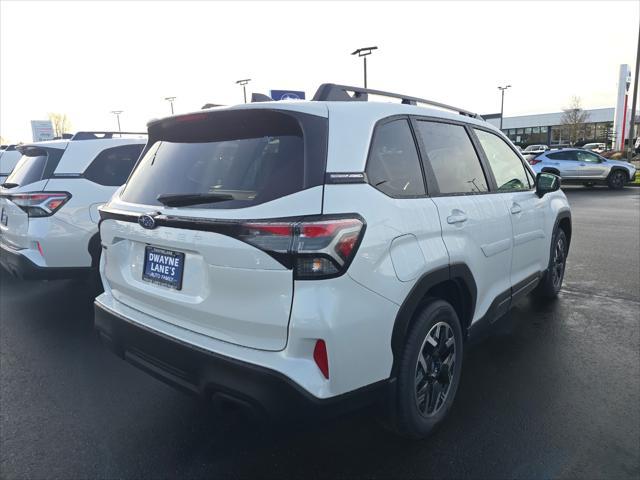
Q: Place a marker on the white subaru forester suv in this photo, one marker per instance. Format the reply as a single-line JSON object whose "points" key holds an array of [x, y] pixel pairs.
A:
{"points": [[312, 255], [49, 203]]}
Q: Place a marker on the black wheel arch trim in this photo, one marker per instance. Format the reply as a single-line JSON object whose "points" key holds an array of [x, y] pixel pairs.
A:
{"points": [[618, 168], [457, 272], [564, 214]]}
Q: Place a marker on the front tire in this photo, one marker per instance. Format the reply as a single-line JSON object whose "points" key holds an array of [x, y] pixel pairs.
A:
{"points": [[551, 283], [616, 179], [429, 371]]}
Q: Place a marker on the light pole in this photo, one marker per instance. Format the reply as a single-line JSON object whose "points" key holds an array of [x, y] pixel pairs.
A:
{"points": [[634, 102], [170, 100], [244, 87], [502, 89], [364, 52], [117, 114]]}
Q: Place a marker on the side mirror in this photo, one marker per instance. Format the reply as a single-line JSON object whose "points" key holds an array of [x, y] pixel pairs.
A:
{"points": [[546, 183]]}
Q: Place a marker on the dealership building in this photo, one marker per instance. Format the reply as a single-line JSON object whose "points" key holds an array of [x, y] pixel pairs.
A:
{"points": [[601, 125], [547, 128]]}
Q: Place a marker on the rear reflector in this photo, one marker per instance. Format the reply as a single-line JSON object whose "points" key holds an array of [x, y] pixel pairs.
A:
{"points": [[321, 358]]}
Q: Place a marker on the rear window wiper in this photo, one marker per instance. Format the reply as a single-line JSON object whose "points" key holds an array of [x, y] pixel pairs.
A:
{"points": [[186, 199], [9, 185]]}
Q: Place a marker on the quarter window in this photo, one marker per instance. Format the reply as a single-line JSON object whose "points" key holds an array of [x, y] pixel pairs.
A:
{"points": [[588, 157], [506, 166], [393, 166], [113, 165], [451, 156]]}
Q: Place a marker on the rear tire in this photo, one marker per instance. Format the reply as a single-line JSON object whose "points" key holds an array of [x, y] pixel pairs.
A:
{"points": [[551, 283], [429, 371], [616, 179]]}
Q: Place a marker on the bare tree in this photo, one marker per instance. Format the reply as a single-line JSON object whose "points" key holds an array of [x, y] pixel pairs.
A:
{"points": [[574, 120], [61, 123]]}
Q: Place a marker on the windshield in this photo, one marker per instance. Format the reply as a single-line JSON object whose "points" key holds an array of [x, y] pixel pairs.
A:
{"points": [[266, 160], [29, 169]]}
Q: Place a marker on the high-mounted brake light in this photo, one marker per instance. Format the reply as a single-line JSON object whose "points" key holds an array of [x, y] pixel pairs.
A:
{"points": [[192, 117], [317, 249], [40, 204]]}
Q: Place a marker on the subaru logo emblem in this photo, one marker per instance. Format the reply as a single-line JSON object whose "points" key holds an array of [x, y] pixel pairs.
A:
{"points": [[147, 221]]}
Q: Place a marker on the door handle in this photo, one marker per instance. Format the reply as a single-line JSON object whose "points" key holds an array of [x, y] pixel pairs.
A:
{"points": [[515, 209], [457, 216]]}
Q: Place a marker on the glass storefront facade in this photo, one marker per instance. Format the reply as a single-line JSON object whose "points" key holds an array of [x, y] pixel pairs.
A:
{"points": [[561, 134]]}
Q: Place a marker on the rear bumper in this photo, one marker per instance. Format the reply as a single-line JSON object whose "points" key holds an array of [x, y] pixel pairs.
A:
{"points": [[210, 375], [18, 265]]}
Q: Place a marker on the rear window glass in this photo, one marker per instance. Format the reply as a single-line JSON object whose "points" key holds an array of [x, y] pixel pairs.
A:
{"points": [[112, 166], [29, 169], [249, 156]]}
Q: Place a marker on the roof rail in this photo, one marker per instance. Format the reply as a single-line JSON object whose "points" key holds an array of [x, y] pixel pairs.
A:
{"points": [[100, 135], [339, 93]]}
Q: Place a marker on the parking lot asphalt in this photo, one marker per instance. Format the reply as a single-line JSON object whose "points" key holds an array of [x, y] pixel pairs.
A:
{"points": [[555, 392]]}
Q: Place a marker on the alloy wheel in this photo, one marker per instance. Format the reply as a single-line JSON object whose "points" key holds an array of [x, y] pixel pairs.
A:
{"points": [[435, 368], [559, 258], [618, 179]]}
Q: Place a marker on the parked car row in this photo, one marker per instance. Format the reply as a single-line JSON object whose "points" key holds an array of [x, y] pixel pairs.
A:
{"points": [[49, 203], [297, 257]]}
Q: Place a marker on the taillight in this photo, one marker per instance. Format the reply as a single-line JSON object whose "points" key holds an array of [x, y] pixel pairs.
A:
{"points": [[40, 204], [533, 161], [316, 248]]}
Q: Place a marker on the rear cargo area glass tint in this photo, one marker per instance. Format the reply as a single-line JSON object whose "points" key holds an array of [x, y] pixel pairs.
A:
{"points": [[247, 157], [35, 164], [28, 170]]}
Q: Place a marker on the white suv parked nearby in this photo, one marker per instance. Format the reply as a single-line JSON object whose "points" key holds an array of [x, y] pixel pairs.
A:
{"points": [[309, 255], [49, 203]]}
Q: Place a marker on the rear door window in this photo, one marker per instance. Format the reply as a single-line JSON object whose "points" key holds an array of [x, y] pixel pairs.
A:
{"points": [[505, 164], [567, 155], [247, 157], [452, 158], [112, 166], [393, 166]]}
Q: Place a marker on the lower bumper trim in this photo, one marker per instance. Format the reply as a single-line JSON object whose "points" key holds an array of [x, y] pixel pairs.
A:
{"points": [[208, 375], [21, 267]]}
